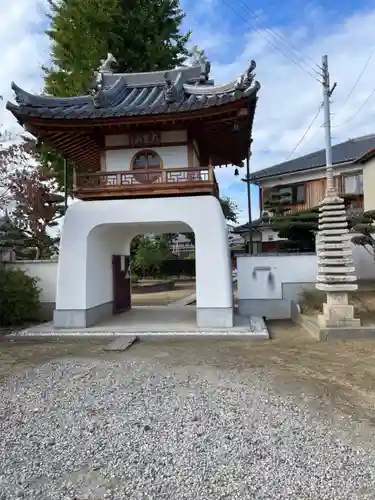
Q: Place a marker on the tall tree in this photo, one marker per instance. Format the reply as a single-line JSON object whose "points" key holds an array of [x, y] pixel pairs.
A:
{"points": [[143, 35]]}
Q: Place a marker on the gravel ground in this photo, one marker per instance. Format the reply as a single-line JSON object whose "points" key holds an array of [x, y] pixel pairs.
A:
{"points": [[123, 429]]}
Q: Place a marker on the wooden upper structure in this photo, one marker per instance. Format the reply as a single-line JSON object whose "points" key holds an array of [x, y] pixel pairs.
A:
{"points": [[144, 108]]}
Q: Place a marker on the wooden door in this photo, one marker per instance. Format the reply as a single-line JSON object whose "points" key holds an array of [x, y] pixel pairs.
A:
{"points": [[121, 283]]}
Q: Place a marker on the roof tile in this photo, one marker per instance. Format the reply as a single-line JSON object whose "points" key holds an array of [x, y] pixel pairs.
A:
{"points": [[187, 88], [344, 152]]}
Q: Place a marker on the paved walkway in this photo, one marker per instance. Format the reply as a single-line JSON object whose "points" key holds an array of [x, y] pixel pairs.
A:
{"points": [[157, 320]]}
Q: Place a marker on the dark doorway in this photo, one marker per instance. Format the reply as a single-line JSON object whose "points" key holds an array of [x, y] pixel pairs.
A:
{"points": [[121, 283]]}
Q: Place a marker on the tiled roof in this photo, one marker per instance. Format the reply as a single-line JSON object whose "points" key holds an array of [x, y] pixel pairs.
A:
{"points": [[255, 225], [179, 90], [346, 151]]}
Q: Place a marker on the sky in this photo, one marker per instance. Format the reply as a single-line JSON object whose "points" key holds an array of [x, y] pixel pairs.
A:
{"points": [[286, 39]]}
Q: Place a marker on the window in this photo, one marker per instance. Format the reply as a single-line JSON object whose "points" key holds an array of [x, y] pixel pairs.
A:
{"points": [[146, 160], [299, 193], [353, 183], [289, 194], [149, 164]]}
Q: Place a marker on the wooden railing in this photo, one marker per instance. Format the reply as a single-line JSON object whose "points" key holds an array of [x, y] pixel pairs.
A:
{"points": [[131, 182]]}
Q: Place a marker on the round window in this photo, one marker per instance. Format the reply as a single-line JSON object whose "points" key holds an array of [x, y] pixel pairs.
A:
{"points": [[148, 166]]}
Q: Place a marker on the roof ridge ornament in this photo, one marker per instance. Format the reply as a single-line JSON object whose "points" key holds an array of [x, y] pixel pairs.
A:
{"points": [[106, 66], [171, 93], [197, 57], [246, 79]]}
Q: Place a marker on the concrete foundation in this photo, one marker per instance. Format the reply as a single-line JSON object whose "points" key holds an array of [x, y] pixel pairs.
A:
{"points": [[82, 318], [311, 325], [158, 321], [215, 317]]}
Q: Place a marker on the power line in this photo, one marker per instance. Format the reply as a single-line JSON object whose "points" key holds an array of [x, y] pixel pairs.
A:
{"points": [[358, 110], [357, 81], [269, 41], [306, 132], [278, 36]]}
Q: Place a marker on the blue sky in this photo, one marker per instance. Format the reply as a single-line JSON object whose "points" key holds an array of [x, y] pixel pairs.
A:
{"points": [[233, 32]]}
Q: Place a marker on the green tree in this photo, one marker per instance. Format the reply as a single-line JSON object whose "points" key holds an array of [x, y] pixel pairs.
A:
{"points": [[363, 225], [11, 238], [148, 255], [143, 35], [230, 210], [299, 228]]}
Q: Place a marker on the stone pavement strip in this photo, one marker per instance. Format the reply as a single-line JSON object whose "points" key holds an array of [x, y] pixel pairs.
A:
{"points": [[121, 343]]}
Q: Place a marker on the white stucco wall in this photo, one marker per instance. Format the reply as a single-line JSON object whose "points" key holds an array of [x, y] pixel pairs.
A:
{"points": [[253, 271], [45, 271], [95, 230], [289, 268], [253, 280], [173, 156]]}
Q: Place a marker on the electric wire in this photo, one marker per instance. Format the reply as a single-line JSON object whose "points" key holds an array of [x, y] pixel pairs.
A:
{"points": [[353, 89], [279, 37], [229, 5], [305, 134], [356, 113]]}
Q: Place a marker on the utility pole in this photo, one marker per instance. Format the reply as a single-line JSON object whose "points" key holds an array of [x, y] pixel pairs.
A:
{"points": [[65, 185], [327, 92], [248, 185]]}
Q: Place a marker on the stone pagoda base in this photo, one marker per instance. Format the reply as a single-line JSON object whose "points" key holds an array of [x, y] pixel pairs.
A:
{"points": [[337, 312]]}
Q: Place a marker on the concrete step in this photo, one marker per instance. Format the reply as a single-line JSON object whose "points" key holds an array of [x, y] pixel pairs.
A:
{"points": [[121, 343]]}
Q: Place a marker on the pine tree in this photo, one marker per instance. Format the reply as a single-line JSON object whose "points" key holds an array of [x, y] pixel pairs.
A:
{"points": [[296, 228], [11, 238], [299, 228], [363, 225]]}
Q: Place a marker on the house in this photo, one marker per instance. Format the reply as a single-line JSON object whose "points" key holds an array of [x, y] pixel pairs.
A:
{"points": [[183, 246], [264, 238], [144, 147], [301, 182]]}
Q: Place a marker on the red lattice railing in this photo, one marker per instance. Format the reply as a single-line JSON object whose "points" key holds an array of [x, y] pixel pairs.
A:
{"points": [[108, 180]]}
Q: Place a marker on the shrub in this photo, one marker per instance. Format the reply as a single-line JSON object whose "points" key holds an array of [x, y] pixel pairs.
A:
{"points": [[19, 298], [311, 300]]}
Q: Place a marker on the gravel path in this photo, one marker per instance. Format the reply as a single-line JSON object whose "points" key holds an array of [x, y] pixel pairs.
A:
{"points": [[97, 429]]}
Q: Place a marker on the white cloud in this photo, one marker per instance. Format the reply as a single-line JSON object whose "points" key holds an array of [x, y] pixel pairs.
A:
{"points": [[289, 97], [24, 49]]}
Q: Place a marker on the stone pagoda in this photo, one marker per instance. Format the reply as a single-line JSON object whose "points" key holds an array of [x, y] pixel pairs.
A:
{"points": [[336, 271]]}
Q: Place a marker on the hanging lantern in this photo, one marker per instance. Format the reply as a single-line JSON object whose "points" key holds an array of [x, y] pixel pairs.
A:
{"points": [[236, 172], [236, 128]]}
